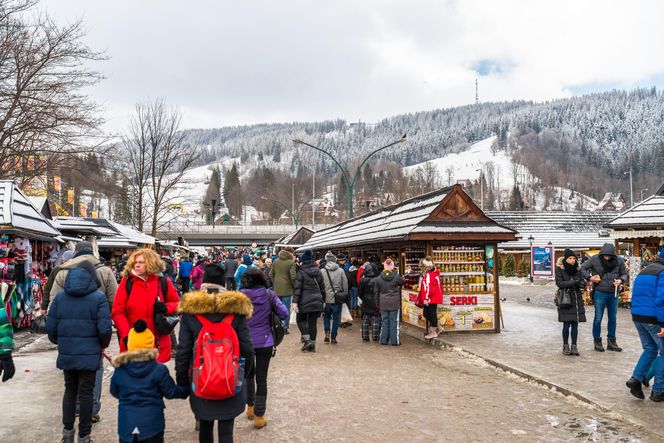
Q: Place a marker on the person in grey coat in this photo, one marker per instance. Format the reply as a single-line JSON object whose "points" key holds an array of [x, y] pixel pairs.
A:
{"points": [[335, 282], [387, 290], [607, 272]]}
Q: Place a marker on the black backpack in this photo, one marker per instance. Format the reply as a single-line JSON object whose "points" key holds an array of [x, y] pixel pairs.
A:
{"points": [[163, 323]]}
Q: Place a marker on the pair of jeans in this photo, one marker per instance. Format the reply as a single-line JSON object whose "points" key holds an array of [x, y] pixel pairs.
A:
{"points": [[286, 300], [353, 298], [257, 380], [652, 348], [332, 311], [159, 438], [389, 329], [610, 302], [78, 384], [224, 431], [307, 323]]}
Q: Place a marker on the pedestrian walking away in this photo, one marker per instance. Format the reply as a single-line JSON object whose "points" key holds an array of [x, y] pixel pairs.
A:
{"points": [[607, 272], [247, 263], [569, 279], [431, 295], [230, 267], [648, 316], [79, 322], [387, 290], [282, 274], [186, 266], [213, 306], [336, 286], [369, 308], [308, 299], [264, 301]]}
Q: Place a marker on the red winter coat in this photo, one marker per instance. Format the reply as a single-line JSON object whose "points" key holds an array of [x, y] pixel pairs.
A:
{"points": [[431, 290], [141, 306]]}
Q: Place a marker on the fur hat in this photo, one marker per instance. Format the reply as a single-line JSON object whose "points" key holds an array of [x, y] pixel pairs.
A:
{"points": [[253, 278], [330, 257], [214, 274], [388, 265], [140, 337], [426, 263], [307, 255]]}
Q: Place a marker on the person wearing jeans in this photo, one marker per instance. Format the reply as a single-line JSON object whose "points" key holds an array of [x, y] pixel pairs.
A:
{"points": [[648, 315], [389, 330], [332, 311], [282, 273], [387, 290], [604, 300]]}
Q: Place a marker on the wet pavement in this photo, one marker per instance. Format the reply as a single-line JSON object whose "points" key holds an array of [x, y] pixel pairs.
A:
{"points": [[357, 391]]}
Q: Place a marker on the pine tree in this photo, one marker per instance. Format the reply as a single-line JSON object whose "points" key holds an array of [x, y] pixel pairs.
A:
{"points": [[233, 191], [516, 200], [508, 266]]}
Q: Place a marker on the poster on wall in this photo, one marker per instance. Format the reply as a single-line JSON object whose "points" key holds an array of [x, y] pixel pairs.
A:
{"points": [[542, 260]]}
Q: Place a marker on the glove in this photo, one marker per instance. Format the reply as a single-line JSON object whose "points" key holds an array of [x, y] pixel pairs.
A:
{"points": [[159, 307], [7, 368], [295, 308]]}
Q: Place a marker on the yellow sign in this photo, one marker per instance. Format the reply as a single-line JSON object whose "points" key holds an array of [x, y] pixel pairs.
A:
{"points": [[70, 196], [56, 183], [83, 209]]}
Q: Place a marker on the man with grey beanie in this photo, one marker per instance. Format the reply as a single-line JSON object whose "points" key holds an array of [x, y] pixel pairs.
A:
{"points": [[336, 283]]}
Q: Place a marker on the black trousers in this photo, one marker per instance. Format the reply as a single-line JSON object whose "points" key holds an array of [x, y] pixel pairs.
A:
{"points": [[307, 323], [185, 284], [78, 384], [159, 438], [225, 431], [230, 284], [574, 325], [431, 314], [257, 380]]}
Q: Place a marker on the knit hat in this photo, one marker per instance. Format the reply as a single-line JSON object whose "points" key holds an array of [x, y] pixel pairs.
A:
{"points": [[330, 257], [388, 265], [246, 260], [214, 274], [569, 253], [307, 255], [83, 246], [140, 337], [341, 257], [426, 263]]}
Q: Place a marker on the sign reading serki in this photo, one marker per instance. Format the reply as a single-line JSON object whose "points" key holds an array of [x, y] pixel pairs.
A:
{"points": [[457, 313]]}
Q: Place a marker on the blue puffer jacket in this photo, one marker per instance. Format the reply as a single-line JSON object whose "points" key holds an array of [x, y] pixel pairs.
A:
{"points": [[79, 322], [648, 294], [140, 383]]}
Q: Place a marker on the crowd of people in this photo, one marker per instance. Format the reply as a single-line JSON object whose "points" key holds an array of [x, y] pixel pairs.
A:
{"points": [[226, 304]]}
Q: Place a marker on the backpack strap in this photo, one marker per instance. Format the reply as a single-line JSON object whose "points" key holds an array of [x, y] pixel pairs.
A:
{"points": [[129, 283], [163, 284]]}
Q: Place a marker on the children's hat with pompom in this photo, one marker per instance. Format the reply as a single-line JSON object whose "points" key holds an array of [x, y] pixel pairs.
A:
{"points": [[140, 337]]}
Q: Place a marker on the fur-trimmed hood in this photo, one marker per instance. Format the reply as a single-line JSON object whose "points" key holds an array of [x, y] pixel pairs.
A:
{"points": [[561, 265], [227, 302], [137, 356]]}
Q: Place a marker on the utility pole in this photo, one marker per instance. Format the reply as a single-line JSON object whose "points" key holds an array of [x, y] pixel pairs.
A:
{"points": [[313, 204], [631, 187], [293, 202]]}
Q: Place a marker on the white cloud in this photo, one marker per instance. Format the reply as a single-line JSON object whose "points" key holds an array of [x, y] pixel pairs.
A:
{"points": [[227, 63]]}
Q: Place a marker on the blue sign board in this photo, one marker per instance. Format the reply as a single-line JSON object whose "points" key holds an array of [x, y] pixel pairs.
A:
{"points": [[542, 261]]}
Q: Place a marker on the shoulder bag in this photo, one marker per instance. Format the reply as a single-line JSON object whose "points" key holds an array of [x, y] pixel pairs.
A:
{"points": [[276, 325], [339, 297]]}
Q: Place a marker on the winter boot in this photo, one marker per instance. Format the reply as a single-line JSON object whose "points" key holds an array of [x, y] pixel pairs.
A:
{"points": [[566, 349], [85, 439], [613, 345], [635, 389], [598, 345], [433, 333], [575, 350], [327, 337], [68, 436], [250, 412], [333, 340], [657, 396], [305, 342], [260, 421], [309, 346]]}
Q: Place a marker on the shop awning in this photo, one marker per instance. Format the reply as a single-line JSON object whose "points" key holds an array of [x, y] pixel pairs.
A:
{"points": [[115, 243], [98, 227], [620, 235], [18, 216]]}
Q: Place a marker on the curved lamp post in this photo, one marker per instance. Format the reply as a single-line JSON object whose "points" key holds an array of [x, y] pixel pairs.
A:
{"points": [[350, 184]]}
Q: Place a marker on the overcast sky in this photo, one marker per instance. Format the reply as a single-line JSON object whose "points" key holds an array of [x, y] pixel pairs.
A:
{"points": [[240, 62]]}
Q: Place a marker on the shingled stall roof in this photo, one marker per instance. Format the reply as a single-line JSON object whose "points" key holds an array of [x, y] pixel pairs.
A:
{"points": [[296, 238], [98, 227], [645, 219], [448, 214], [574, 229], [18, 216]]}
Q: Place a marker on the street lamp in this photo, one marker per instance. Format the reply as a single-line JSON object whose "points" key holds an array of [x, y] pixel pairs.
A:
{"points": [[344, 172], [531, 239], [644, 189], [481, 171]]}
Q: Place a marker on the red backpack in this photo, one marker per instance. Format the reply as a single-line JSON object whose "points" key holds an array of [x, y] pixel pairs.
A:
{"points": [[217, 373]]}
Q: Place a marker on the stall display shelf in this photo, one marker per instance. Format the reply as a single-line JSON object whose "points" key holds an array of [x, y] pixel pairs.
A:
{"points": [[443, 262], [461, 273], [455, 251]]}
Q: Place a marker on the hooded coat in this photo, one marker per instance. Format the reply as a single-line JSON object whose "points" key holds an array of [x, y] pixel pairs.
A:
{"points": [[109, 285], [430, 288], [79, 322], [214, 306], [140, 384], [309, 290], [335, 281], [365, 292], [282, 274], [259, 324], [594, 266], [197, 275], [230, 266], [576, 312], [140, 305], [387, 290], [648, 294]]}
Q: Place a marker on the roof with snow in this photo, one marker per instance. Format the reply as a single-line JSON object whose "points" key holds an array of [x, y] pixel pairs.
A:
{"points": [[98, 227], [128, 238], [645, 218], [296, 238], [446, 214], [19, 216], [568, 229]]}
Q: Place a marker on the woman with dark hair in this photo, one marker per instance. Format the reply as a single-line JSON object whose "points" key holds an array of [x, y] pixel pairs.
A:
{"points": [[254, 285], [308, 298], [568, 278]]}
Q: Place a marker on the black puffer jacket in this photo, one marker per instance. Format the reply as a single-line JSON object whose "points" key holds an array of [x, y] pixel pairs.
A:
{"points": [[309, 291], [616, 270], [576, 312], [365, 291]]}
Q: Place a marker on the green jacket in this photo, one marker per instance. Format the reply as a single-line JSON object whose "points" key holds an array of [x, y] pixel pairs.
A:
{"points": [[6, 333], [282, 274]]}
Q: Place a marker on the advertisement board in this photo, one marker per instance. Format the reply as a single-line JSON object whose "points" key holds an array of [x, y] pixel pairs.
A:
{"points": [[459, 312], [542, 261]]}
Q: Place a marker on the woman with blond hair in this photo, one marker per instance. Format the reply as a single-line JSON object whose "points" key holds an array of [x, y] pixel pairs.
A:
{"points": [[143, 292]]}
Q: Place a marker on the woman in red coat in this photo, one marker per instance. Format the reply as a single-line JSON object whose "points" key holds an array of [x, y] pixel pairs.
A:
{"points": [[431, 294], [144, 268]]}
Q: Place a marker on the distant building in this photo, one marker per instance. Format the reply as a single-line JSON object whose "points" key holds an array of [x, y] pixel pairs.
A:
{"points": [[612, 201]]}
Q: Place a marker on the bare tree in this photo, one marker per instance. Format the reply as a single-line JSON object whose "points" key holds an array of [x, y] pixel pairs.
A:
{"points": [[449, 172], [45, 119]]}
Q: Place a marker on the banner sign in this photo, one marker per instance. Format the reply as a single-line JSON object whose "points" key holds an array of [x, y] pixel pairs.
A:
{"points": [[542, 260]]}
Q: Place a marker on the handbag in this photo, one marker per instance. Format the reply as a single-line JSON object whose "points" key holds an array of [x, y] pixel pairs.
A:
{"points": [[563, 298], [339, 297], [164, 323], [276, 325]]}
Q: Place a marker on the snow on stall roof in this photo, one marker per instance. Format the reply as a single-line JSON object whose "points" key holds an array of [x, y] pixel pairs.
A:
{"points": [[649, 212], [90, 226], [17, 212]]}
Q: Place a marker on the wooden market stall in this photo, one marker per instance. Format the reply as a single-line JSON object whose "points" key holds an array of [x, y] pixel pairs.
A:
{"points": [[445, 225]]}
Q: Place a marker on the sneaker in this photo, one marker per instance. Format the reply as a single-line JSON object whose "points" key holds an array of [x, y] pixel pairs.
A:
{"points": [[635, 389], [95, 418], [333, 341], [657, 396]]}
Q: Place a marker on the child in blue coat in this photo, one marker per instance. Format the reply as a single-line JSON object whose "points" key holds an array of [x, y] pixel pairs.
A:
{"points": [[141, 383]]}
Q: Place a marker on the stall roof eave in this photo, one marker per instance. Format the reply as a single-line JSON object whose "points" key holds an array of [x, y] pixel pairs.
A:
{"points": [[647, 215], [19, 215], [98, 227]]}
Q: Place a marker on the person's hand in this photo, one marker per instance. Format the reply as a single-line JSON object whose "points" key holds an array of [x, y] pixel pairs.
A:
{"points": [[617, 282], [295, 308], [159, 307], [595, 279], [7, 368], [426, 303], [661, 332]]}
